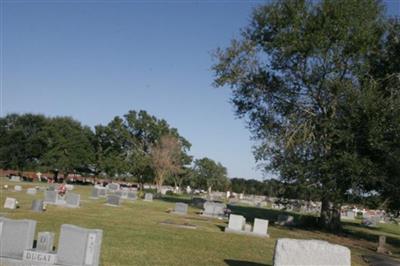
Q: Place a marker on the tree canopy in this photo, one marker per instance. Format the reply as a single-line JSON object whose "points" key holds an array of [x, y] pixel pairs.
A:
{"points": [[304, 75]]}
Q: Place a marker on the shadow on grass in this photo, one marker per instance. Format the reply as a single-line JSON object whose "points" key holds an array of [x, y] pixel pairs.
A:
{"points": [[221, 227], [244, 263], [301, 220], [175, 199], [361, 234]]}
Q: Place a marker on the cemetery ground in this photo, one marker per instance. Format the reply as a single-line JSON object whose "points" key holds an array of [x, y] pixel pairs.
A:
{"points": [[133, 234]]}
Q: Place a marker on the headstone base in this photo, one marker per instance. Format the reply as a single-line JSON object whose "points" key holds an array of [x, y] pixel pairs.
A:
{"points": [[228, 230]]}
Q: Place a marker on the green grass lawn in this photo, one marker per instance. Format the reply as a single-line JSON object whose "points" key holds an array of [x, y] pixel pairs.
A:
{"points": [[133, 234]]}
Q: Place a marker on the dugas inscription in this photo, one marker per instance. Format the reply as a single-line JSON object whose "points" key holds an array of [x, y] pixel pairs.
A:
{"points": [[40, 257]]}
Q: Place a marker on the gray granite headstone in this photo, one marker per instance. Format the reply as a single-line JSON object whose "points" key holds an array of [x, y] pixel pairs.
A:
{"points": [[50, 196], [371, 221], [295, 252], [15, 178], [102, 192], [31, 191], [113, 186], [15, 237], [181, 208], [132, 195], [95, 192], [37, 205], [45, 241], [18, 188], [79, 246], [118, 193], [113, 200], [148, 197], [72, 199], [214, 209]]}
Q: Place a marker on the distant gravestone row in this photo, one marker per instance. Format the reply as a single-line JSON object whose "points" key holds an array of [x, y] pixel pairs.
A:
{"points": [[237, 224], [77, 246]]}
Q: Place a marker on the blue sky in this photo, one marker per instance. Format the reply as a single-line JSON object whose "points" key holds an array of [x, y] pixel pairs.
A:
{"points": [[93, 60]]}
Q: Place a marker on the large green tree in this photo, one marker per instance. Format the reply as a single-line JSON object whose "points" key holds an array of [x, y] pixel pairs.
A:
{"points": [[297, 73], [209, 175], [22, 142], [68, 145], [123, 146]]}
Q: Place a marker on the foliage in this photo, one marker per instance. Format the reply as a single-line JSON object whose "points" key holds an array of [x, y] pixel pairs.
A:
{"points": [[22, 141], [300, 75], [68, 145], [208, 175]]}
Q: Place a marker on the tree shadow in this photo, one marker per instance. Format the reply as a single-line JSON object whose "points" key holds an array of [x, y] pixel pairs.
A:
{"points": [[303, 221], [243, 263], [365, 235], [174, 199], [221, 227]]}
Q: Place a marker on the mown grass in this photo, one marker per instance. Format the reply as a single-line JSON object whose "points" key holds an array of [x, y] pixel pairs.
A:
{"points": [[133, 234]]}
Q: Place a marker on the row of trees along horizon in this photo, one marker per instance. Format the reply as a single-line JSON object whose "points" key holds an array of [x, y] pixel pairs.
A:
{"points": [[137, 147], [318, 83]]}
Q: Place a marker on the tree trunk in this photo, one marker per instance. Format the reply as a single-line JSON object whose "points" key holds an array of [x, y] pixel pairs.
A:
{"points": [[330, 216]]}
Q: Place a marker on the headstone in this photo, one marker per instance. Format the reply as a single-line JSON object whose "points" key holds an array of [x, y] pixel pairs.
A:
{"points": [[284, 219], [148, 197], [18, 188], [33, 257], [72, 199], [113, 200], [113, 186], [50, 196], [15, 237], [95, 192], [371, 221], [102, 191], [37, 205], [15, 178], [31, 191], [198, 202], [247, 228], [296, 252], [118, 193], [45, 241], [79, 246], [236, 223], [382, 245], [69, 187], [351, 215], [214, 209], [132, 195], [260, 227], [10, 203], [181, 208]]}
